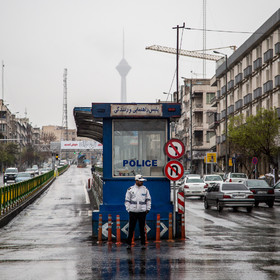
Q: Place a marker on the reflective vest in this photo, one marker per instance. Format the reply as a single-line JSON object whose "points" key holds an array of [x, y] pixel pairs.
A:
{"points": [[137, 199]]}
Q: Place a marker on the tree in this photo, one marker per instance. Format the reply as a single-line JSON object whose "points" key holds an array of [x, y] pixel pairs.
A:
{"points": [[48, 137], [256, 135]]}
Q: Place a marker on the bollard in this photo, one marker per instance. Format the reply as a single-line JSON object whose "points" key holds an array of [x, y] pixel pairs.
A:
{"points": [[132, 241], [100, 229], [183, 237], [158, 229], [118, 225], [170, 230], [109, 228], [146, 237]]}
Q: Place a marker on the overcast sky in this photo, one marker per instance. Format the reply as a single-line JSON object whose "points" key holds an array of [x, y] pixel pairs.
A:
{"points": [[39, 38]]}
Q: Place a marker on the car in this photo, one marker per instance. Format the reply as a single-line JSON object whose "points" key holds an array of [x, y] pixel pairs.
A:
{"points": [[45, 170], [212, 179], [235, 177], [228, 194], [31, 171], [10, 175], [193, 186], [23, 176], [36, 169], [277, 191], [193, 176], [262, 191]]}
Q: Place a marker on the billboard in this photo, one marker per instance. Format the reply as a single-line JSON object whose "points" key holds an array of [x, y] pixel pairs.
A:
{"points": [[81, 145]]}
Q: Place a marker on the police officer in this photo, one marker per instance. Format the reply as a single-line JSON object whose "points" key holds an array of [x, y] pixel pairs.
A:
{"points": [[138, 205]]}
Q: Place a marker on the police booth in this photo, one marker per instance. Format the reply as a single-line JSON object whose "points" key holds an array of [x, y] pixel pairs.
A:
{"points": [[134, 136]]}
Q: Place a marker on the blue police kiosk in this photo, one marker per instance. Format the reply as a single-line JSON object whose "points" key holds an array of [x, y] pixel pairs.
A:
{"points": [[133, 137]]}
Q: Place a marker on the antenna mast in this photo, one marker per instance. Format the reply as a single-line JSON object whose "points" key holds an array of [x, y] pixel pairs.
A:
{"points": [[64, 117]]}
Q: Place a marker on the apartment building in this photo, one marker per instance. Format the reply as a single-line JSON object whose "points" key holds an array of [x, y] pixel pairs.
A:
{"points": [[250, 79], [193, 127]]}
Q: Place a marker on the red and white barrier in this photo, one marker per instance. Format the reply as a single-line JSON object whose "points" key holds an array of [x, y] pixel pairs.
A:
{"points": [[181, 203]]}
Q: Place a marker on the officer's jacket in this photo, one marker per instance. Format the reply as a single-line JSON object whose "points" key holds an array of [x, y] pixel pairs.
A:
{"points": [[137, 199]]}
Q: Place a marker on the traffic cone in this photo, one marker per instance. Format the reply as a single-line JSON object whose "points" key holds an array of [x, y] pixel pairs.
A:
{"points": [[158, 229], [146, 237], [118, 225], [100, 229], [109, 228], [183, 235], [170, 228]]}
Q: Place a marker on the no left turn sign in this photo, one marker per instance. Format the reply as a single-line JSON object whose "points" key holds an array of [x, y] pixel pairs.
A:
{"points": [[174, 148], [174, 170]]}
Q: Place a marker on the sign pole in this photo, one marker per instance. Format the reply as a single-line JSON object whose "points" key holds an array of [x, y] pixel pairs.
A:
{"points": [[174, 209]]}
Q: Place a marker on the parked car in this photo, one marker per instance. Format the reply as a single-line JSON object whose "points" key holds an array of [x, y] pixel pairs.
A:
{"points": [[262, 191], [235, 177], [31, 171], [23, 176], [193, 176], [212, 179], [277, 191], [229, 195], [10, 175], [193, 186]]}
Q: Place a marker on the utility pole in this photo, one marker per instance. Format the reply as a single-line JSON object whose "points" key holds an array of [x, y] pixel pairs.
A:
{"points": [[177, 92], [64, 129], [191, 135], [177, 57], [3, 80]]}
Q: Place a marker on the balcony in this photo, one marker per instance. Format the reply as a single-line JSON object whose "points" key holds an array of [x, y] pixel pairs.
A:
{"points": [[223, 90], [198, 143], [257, 92], [230, 84], [213, 120], [223, 114], [198, 126], [268, 55], [230, 109], [223, 138], [247, 71], [277, 48], [198, 107], [247, 98], [238, 104], [268, 86], [218, 94], [218, 139], [277, 81], [238, 78], [257, 63]]}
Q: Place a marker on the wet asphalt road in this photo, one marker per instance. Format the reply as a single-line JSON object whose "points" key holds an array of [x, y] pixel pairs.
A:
{"points": [[51, 239]]}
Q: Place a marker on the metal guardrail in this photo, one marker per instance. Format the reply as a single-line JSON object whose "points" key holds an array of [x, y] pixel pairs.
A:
{"points": [[12, 195], [97, 188], [15, 194]]}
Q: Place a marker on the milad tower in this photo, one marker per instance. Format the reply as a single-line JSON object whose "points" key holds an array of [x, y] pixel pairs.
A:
{"points": [[123, 68]]}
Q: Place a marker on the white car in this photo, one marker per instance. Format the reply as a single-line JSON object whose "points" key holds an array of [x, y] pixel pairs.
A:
{"points": [[194, 186], [212, 179], [236, 177]]}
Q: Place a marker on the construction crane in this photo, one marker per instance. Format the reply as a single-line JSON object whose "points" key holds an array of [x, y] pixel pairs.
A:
{"points": [[195, 54]]}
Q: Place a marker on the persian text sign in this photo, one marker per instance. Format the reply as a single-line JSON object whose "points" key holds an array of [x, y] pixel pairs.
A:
{"points": [[80, 145], [136, 110]]}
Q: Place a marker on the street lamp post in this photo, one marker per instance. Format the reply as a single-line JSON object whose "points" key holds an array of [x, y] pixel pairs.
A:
{"points": [[226, 118]]}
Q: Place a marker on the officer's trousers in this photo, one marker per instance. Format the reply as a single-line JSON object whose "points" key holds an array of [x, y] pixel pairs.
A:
{"points": [[133, 218]]}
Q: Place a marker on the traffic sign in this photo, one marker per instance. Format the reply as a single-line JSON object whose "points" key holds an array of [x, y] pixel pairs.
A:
{"points": [[255, 160], [174, 170], [174, 148], [211, 157]]}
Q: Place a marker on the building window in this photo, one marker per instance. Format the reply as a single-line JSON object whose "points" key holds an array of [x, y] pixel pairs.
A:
{"points": [[138, 147], [259, 51], [209, 134], [209, 97]]}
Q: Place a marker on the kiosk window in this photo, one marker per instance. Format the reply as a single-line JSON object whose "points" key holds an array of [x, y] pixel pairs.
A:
{"points": [[138, 147]]}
